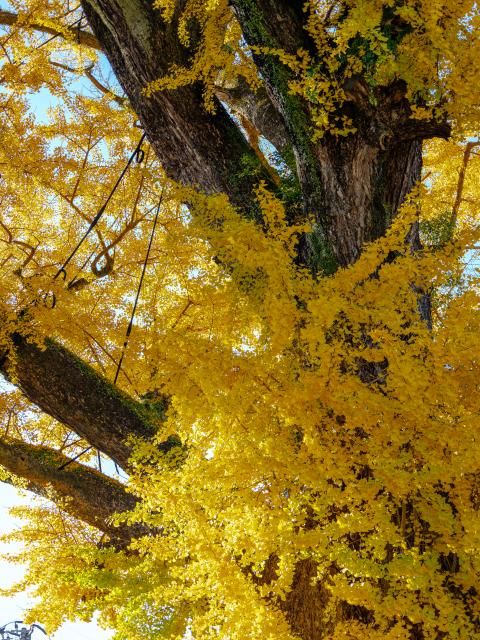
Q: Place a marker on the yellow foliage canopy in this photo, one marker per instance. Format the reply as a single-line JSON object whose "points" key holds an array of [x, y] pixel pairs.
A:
{"points": [[322, 421]]}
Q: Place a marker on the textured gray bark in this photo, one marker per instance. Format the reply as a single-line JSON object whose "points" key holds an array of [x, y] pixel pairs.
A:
{"points": [[354, 185], [195, 147]]}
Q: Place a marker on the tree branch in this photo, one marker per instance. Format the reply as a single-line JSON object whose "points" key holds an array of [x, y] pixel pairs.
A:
{"points": [[72, 392], [279, 25], [257, 108], [195, 147], [83, 37], [86, 493], [87, 72], [412, 129], [461, 181]]}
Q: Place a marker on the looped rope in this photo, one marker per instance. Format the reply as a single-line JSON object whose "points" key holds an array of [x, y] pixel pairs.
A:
{"points": [[49, 300], [61, 272], [140, 155]]}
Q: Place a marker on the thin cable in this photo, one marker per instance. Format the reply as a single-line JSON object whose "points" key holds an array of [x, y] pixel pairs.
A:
{"points": [[144, 268], [65, 464], [77, 23], [139, 155], [130, 324]]}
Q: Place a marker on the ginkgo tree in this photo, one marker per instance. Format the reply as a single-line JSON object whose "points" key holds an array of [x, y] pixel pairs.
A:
{"points": [[296, 407]]}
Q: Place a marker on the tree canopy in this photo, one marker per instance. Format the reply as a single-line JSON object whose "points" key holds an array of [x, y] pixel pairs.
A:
{"points": [[294, 409]]}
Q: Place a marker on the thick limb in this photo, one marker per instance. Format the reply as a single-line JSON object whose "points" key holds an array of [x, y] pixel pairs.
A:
{"points": [[72, 392], [195, 147], [85, 493]]}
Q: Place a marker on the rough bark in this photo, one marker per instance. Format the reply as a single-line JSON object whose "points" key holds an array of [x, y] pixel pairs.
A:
{"points": [[195, 147], [353, 186], [72, 392], [364, 186], [278, 25], [86, 493], [257, 108], [305, 604], [239, 97]]}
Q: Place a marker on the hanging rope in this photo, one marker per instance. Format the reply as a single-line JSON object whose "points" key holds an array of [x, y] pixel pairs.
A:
{"points": [[138, 155], [144, 268], [49, 298], [130, 324]]}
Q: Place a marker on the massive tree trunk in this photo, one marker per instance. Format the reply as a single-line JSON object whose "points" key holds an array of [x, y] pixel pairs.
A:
{"points": [[352, 187], [195, 147]]}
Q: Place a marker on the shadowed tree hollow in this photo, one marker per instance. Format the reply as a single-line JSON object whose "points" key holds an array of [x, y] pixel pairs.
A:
{"points": [[289, 447]]}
